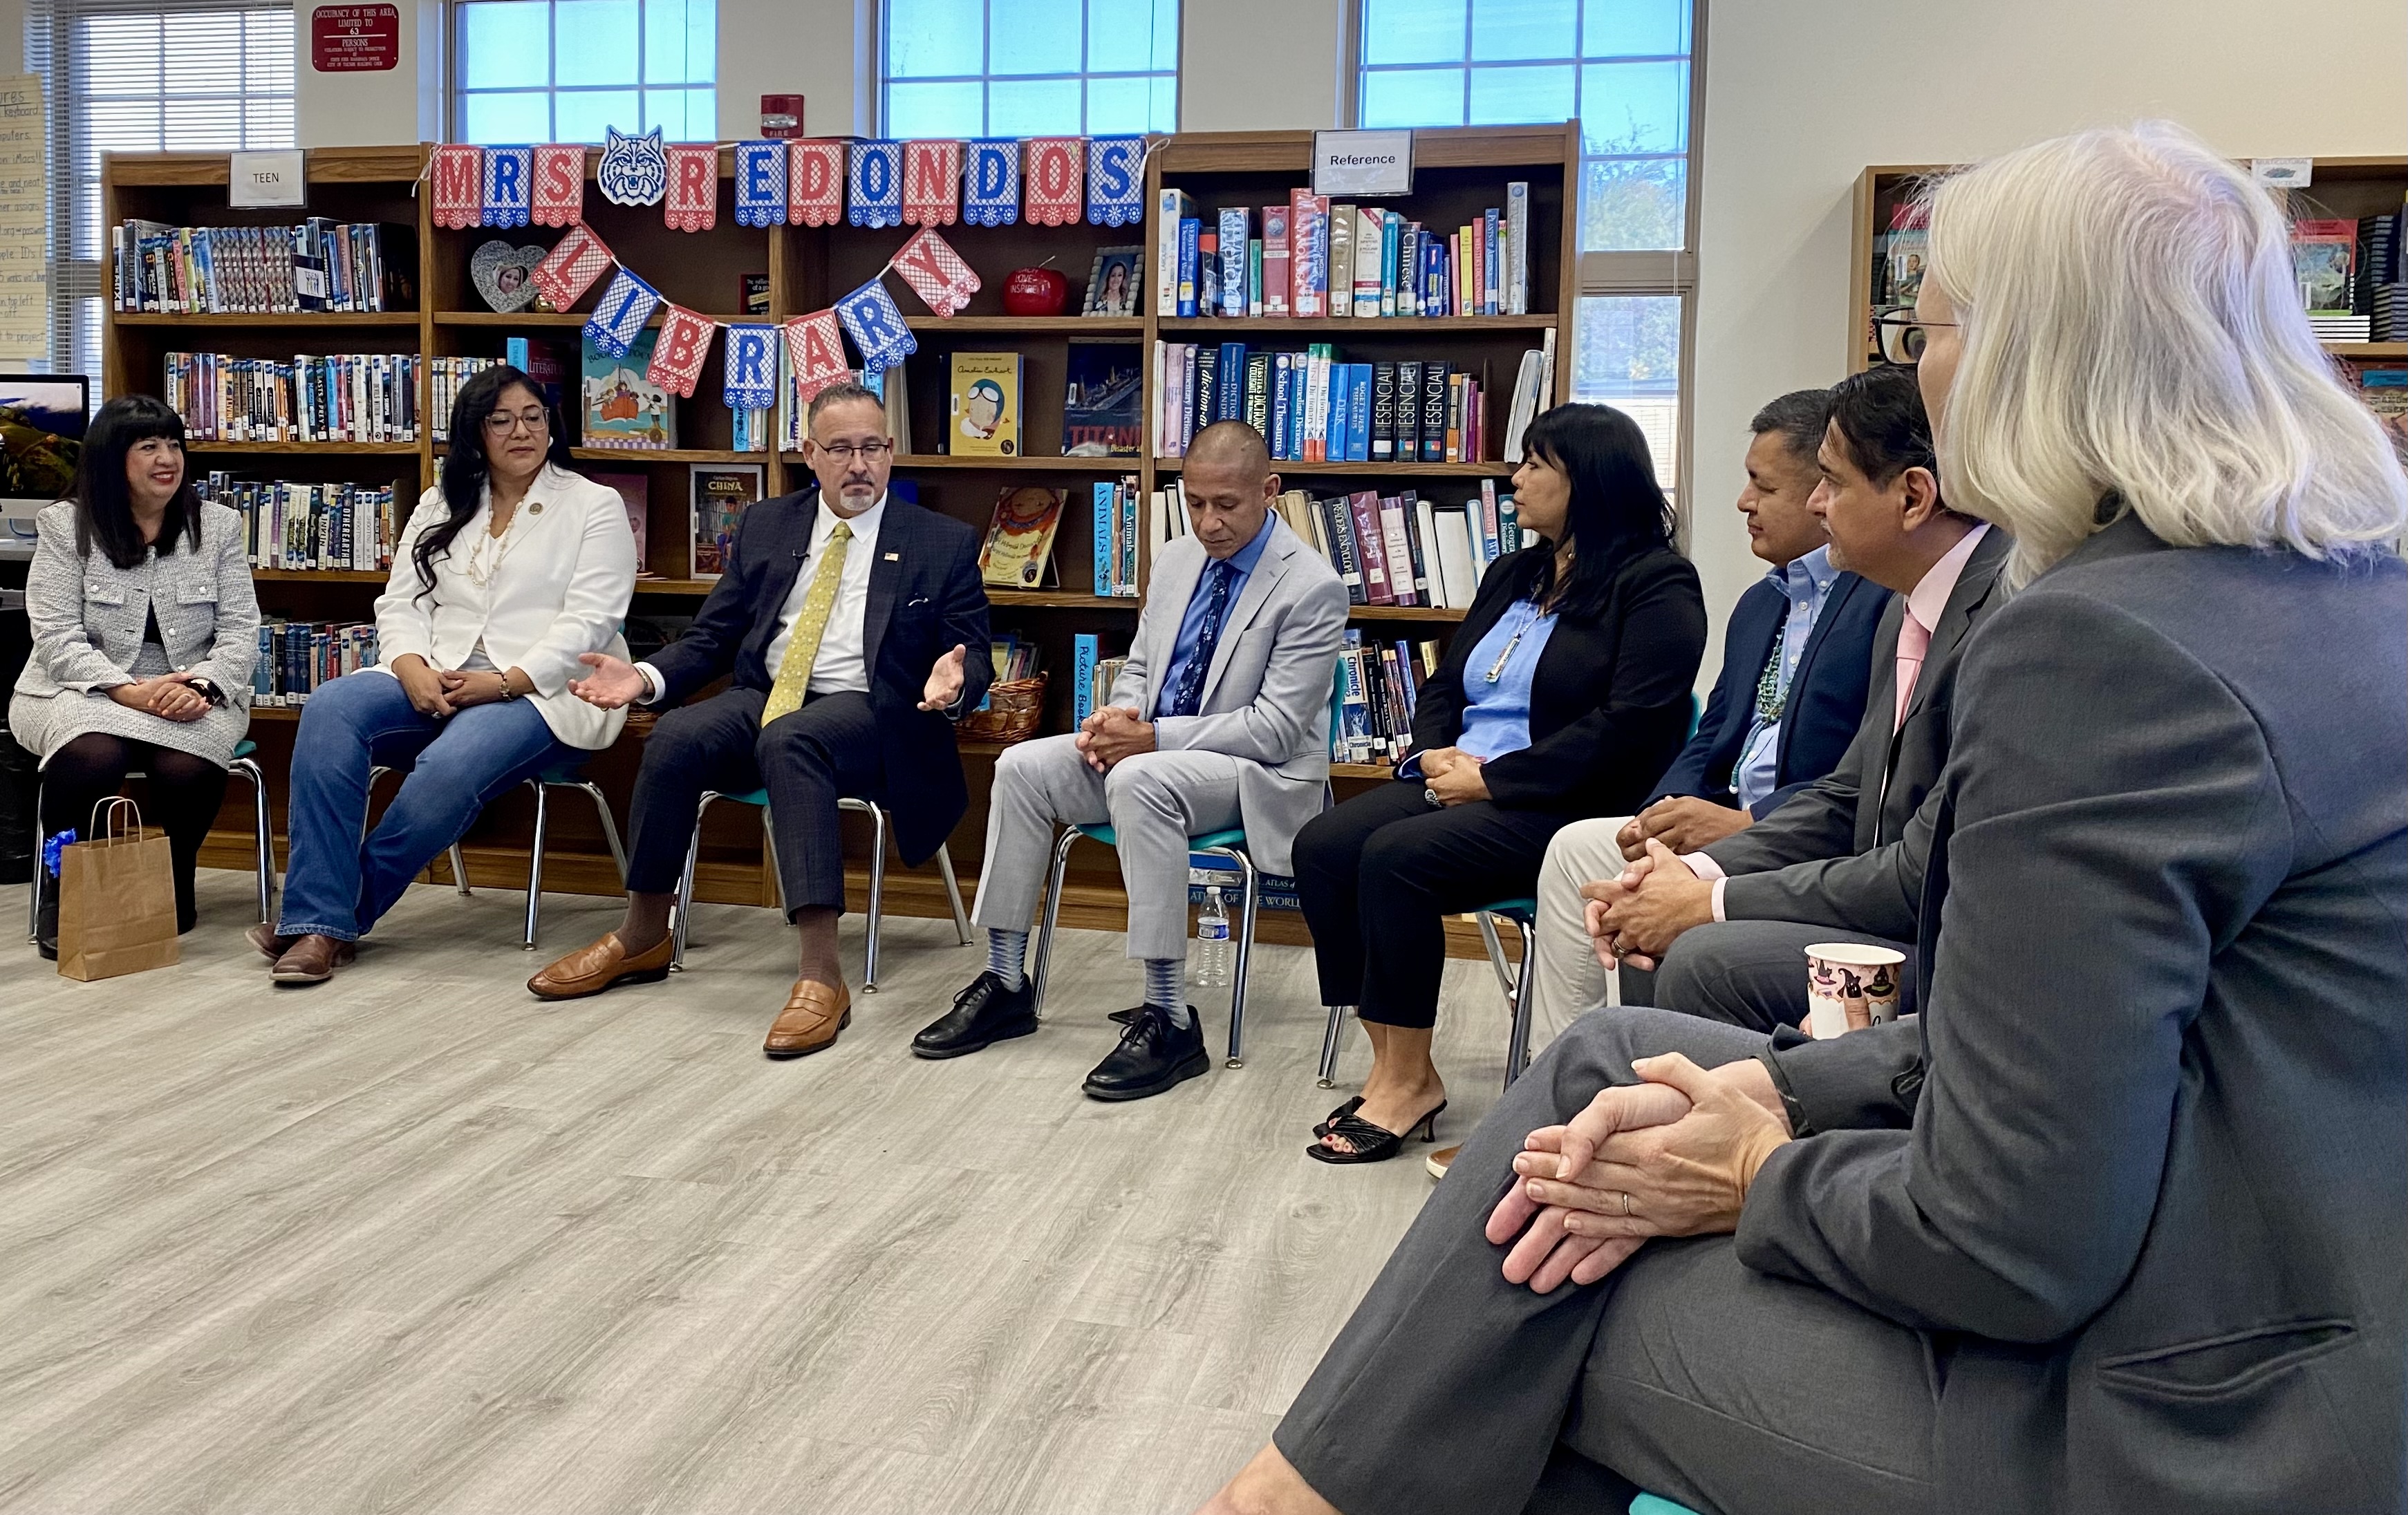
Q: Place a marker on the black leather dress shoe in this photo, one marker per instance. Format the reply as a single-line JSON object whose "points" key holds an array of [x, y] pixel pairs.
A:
{"points": [[1153, 1058], [983, 1014]]}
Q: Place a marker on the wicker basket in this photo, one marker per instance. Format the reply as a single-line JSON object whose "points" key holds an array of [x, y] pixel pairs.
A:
{"points": [[1014, 709]]}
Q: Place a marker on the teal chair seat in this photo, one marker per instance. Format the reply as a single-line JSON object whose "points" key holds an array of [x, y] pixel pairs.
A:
{"points": [[1211, 841], [244, 748], [1648, 1503]]}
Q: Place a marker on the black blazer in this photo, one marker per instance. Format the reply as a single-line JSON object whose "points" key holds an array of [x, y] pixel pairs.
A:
{"points": [[925, 599], [1609, 701], [1826, 695]]}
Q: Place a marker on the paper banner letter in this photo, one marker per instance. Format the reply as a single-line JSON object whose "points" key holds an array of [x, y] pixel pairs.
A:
{"points": [[634, 170], [459, 171], [626, 304], [570, 269], [1056, 180], [1116, 180], [936, 272], [874, 186], [760, 184], [814, 182], [752, 366], [815, 352], [991, 186], [877, 327], [693, 187], [508, 173], [678, 354], [932, 183], [559, 184]]}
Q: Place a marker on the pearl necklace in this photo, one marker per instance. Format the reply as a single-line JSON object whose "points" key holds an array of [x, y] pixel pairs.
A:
{"points": [[486, 554]]}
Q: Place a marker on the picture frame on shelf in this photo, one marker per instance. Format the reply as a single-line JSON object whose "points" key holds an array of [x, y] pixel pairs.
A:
{"points": [[1112, 282]]}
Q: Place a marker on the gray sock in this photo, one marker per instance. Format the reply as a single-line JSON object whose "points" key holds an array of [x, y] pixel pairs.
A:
{"points": [[1007, 955], [1164, 991]]}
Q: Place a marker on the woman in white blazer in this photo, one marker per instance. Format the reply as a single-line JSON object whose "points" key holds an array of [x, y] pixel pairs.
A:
{"points": [[510, 569]]}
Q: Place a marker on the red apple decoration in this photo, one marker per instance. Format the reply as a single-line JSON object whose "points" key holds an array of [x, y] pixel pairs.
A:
{"points": [[1036, 291]]}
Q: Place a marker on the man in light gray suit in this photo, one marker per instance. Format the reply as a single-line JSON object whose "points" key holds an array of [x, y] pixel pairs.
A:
{"points": [[1219, 719]]}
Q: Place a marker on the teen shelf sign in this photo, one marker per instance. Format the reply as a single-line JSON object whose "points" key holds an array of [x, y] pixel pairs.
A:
{"points": [[352, 39]]}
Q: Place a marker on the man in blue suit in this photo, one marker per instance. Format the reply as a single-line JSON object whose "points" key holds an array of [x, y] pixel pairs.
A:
{"points": [[1797, 660]]}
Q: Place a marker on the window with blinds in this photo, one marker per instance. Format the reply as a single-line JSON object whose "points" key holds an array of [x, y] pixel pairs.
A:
{"points": [[127, 76]]}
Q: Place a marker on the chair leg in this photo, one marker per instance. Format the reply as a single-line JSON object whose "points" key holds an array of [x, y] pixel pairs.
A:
{"points": [[769, 849], [685, 883], [1249, 893], [876, 897], [1052, 914], [1329, 1036], [374, 774], [610, 826], [1517, 1050], [460, 871], [953, 893], [1496, 956], [535, 864], [263, 836], [34, 895]]}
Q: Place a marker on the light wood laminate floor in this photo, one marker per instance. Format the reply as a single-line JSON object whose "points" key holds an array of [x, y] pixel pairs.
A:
{"points": [[415, 1241]]}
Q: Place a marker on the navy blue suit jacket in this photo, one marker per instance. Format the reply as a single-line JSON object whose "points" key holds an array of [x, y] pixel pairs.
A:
{"points": [[925, 599], [1826, 695]]}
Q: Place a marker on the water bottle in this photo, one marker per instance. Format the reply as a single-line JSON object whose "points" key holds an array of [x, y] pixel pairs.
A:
{"points": [[1213, 943]]}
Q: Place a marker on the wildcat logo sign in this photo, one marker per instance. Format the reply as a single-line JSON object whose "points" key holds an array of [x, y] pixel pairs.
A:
{"points": [[634, 170], [693, 187]]}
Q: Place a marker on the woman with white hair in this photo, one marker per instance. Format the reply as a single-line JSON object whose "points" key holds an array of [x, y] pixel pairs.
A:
{"points": [[2118, 1223]]}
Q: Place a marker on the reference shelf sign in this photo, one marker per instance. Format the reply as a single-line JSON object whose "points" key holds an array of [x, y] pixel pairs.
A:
{"points": [[1363, 163]]}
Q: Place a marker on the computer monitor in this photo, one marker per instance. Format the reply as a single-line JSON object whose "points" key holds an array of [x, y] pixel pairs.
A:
{"points": [[42, 420]]}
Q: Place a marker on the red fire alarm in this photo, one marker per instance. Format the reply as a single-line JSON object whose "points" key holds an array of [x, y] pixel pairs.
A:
{"points": [[781, 115], [350, 39]]}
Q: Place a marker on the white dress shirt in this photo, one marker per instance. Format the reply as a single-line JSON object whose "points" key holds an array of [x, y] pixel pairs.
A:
{"points": [[842, 661]]}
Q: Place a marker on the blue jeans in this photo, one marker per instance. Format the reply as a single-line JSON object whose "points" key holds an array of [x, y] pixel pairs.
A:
{"points": [[336, 883]]}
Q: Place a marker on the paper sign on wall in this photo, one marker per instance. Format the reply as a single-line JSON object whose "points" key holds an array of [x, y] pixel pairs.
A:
{"points": [[2283, 173]]}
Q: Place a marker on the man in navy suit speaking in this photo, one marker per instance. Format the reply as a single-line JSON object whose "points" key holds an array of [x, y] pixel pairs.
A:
{"points": [[846, 616]]}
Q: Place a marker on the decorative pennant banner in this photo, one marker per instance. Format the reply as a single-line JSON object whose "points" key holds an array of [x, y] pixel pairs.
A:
{"points": [[563, 276], [936, 272], [874, 188], [693, 187], [760, 184], [559, 184], [509, 176], [626, 304], [458, 171], [877, 327], [1054, 179], [752, 367], [932, 183], [991, 191], [634, 171], [1116, 180], [814, 182], [677, 355], [815, 352]]}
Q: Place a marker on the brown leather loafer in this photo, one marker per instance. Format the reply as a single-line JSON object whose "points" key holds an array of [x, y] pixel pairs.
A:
{"points": [[270, 944], [313, 960], [814, 1013], [606, 965]]}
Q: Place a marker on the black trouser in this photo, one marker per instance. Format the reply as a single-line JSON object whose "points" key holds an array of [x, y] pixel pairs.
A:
{"points": [[825, 751], [1378, 875], [185, 792]]}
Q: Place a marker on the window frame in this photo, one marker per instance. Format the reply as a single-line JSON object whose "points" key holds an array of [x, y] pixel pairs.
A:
{"points": [[457, 93], [986, 79]]}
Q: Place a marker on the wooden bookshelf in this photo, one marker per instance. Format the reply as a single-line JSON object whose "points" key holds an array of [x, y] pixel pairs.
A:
{"points": [[1458, 171]]}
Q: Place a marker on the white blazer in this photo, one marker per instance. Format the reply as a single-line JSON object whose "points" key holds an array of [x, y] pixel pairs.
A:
{"points": [[561, 590]]}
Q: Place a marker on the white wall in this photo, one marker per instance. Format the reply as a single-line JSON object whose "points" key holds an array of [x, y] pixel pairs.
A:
{"points": [[1260, 66], [372, 109]]}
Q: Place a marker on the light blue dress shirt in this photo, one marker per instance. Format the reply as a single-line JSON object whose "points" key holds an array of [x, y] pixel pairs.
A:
{"points": [[1806, 583], [1191, 624], [1497, 713]]}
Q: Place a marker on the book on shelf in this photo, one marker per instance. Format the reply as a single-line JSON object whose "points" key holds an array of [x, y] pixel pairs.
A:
{"points": [[1086, 651], [1172, 211], [1275, 288], [1115, 526], [1381, 688], [1105, 674], [295, 657], [634, 491], [1231, 235], [1019, 551], [720, 493], [2324, 258], [2385, 389], [546, 363], [292, 525], [1308, 230], [1012, 657], [983, 403], [323, 397], [1208, 272], [1312, 407], [753, 294], [1101, 403], [1403, 550], [448, 376], [1355, 261], [620, 406], [318, 266]]}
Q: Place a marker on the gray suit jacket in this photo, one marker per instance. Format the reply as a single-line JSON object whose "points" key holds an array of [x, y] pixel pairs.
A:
{"points": [[1844, 851], [1267, 694], [2157, 1182]]}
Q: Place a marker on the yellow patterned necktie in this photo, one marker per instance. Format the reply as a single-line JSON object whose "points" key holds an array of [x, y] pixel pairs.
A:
{"points": [[811, 624]]}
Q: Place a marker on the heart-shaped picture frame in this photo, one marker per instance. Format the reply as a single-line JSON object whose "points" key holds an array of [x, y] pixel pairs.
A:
{"points": [[505, 275]]}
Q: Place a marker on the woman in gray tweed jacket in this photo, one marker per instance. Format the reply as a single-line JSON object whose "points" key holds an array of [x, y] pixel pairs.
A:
{"points": [[145, 629]]}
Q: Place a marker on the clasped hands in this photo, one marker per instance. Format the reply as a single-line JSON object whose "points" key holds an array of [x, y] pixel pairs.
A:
{"points": [[1112, 733], [169, 696], [441, 692], [1671, 1156], [1453, 775], [1634, 917]]}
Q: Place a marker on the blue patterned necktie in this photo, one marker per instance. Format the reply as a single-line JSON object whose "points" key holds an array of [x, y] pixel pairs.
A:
{"points": [[1189, 696]]}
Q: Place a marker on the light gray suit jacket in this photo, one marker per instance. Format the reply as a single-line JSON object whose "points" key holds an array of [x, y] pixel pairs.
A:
{"points": [[2157, 1181], [1267, 694]]}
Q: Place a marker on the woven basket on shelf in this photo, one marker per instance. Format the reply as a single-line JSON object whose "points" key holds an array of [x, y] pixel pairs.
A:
{"points": [[1014, 709]]}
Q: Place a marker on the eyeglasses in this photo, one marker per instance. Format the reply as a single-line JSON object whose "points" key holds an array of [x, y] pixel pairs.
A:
{"points": [[1902, 338], [845, 451], [503, 422]]}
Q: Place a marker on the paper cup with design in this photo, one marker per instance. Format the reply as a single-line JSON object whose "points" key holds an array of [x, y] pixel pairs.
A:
{"points": [[1850, 986]]}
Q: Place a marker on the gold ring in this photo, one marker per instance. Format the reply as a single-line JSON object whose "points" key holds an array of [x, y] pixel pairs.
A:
{"points": [[1626, 1202]]}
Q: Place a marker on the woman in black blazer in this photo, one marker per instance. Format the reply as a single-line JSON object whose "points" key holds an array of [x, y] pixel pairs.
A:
{"points": [[1564, 696]]}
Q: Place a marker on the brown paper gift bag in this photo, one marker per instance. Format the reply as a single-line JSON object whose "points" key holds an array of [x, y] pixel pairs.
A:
{"points": [[117, 898]]}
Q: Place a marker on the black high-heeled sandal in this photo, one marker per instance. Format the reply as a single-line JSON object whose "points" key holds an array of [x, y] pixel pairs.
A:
{"points": [[1374, 1144], [1340, 1114]]}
